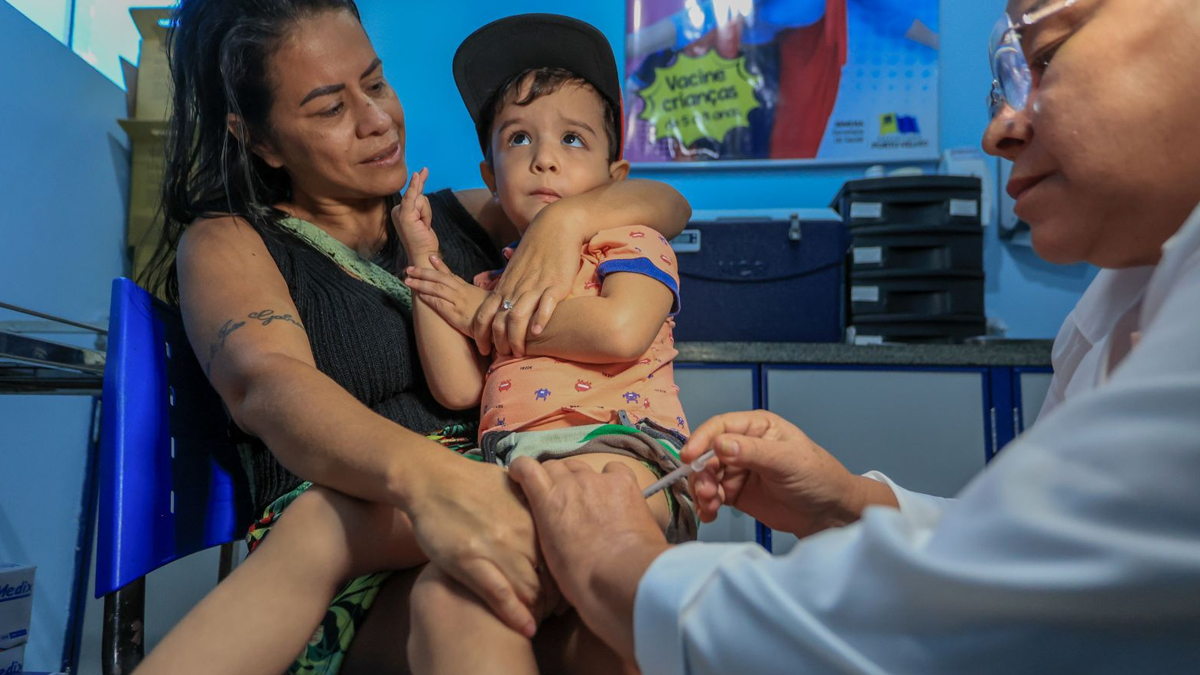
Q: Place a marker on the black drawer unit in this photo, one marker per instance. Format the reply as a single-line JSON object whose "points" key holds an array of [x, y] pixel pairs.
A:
{"points": [[925, 202], [920, 299], [917, 255], [915, 269]]}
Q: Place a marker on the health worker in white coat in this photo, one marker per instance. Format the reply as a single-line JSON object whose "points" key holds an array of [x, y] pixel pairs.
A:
{"points": [[1078, 549]]}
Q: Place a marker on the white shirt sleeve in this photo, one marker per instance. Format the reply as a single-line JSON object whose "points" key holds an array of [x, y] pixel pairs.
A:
{"points": [[1077, 550], [916, 507]]}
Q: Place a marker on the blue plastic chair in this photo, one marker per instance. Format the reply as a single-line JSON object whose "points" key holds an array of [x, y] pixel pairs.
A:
{"points": [[170, 482]]}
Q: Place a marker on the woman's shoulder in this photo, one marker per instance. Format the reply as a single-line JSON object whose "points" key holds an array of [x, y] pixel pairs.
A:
{"points": [[218, 230], [221, 240], [460, 209], [477, 211], [469, 203], [467, 246]]}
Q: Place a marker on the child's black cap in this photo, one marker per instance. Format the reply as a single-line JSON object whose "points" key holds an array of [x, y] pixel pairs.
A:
{"points": [[492, 55]]}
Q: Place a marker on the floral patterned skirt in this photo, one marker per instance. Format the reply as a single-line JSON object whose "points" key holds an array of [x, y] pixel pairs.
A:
{"points": [[327, 647]]}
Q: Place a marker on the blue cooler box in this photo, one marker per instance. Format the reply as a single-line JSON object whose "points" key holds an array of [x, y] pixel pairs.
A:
{"points": [[773, 276]]}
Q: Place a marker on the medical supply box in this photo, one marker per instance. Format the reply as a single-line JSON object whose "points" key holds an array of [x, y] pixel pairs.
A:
{"points": [[762, 276], [916, 258], [16, 606], [12, 661]]}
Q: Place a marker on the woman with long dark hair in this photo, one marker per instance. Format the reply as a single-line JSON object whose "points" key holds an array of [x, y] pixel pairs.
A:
{"points": [[285, 154]]}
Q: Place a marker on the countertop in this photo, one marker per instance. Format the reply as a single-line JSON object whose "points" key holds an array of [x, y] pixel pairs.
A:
{"points": [[1002, 353]]}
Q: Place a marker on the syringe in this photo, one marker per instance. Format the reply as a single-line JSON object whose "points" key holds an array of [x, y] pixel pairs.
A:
{"points": [[682, 472]]}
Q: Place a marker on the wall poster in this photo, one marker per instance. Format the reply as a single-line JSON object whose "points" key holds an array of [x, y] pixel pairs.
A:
{"points": [[837, 81]]}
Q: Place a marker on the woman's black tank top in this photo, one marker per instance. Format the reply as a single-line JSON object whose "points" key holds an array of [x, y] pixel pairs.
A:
{"points": [[363, 339]]}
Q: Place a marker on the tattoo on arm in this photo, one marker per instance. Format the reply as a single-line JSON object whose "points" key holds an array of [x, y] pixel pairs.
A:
{"points": [[216, 347], [266, 316]]}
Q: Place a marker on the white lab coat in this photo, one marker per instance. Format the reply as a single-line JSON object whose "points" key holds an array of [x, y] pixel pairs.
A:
{"points": [[1076, 551], [1087, 333]]}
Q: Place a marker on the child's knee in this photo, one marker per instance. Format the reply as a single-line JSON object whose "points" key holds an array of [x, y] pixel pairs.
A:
{"points": [[351, 535], [326, 523], [305, 529], [436, 597]]}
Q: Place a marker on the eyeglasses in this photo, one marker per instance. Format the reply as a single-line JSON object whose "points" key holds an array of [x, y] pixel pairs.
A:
{"points": [[1012, 78]]}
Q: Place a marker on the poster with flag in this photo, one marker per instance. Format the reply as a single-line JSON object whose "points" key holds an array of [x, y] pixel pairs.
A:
{"points": [[838, 81]]}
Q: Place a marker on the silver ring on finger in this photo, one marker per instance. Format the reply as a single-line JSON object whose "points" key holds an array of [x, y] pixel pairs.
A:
{"points": [[506, 305]]}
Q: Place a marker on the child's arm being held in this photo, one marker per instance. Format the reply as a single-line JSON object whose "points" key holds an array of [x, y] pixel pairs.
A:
{"points": [[453, 368], [538, 276], [615, 327], [446, 293]]}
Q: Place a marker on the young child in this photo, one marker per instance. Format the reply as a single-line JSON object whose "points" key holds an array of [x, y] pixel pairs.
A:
{"points": [[596, 382]]}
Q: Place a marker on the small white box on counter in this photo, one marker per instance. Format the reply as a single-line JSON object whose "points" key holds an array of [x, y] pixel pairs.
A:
{"points": [[12, 661], [16, 605]]}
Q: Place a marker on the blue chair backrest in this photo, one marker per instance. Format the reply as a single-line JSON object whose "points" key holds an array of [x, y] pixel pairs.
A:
{"points": [[170, 481]]}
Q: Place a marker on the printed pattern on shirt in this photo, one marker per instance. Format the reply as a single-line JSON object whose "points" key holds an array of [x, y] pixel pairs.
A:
{"points": [[537, 392]]}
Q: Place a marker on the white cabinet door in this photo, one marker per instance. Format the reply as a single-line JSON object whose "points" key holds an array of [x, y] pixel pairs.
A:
{"points": [[706, 390], [925, 429], [711, 390], [1033, 386]]}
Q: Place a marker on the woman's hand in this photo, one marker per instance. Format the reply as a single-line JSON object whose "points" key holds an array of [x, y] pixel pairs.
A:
{"points": [[455, 300], [469, 519], [414, 219], [536, 279], [768, 468]]}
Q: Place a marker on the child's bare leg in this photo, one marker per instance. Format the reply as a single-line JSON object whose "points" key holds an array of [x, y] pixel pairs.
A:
{"points": [[658, 503], [380, 642], [454, 632], [564, 645], [260, 617]]}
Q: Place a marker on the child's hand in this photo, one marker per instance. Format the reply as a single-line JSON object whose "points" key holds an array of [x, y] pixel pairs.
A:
{"points": [[414, 220], [455, 300]]}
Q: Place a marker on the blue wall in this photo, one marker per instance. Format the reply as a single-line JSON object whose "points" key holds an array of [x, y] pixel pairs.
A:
{"points": [[64, 168], [417, 41]]}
